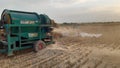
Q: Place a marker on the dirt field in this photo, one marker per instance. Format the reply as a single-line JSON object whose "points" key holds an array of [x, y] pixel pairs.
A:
{"points": [[81, 46]]}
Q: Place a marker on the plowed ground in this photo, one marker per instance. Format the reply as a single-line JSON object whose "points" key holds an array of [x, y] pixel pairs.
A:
{"points": [[72, 50]]}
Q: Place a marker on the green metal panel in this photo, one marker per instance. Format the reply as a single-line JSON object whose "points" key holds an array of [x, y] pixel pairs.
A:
{"points": [[18, 17], [44, 19]]}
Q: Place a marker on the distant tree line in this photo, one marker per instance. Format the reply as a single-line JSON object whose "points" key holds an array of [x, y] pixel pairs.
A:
{"points": [[73, 23]]}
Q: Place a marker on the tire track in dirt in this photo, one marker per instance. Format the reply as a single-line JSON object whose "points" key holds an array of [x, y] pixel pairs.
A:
{"points": [[64, 61], [54, 59], [81, 54], [83, 60], [64, 56], [40, 58], [20, 59]]}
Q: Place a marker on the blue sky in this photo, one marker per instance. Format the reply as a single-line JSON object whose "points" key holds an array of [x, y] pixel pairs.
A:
{"points": [[69, 10]]}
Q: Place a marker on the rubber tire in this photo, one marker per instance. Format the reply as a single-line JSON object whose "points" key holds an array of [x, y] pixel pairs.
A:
{"points": [[39, 45]]}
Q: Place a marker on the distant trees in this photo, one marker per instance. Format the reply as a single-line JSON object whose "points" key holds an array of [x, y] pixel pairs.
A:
{"points": [[72, 23]]}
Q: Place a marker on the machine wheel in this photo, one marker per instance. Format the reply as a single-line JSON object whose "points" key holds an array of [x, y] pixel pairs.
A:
{"points": [[39, 45]]}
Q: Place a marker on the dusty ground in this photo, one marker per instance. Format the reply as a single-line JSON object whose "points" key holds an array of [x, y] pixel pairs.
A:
{"points": [[74, 50]]}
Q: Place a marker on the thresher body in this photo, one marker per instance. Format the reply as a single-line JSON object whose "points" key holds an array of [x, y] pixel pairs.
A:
{"points": [[23, 28]]}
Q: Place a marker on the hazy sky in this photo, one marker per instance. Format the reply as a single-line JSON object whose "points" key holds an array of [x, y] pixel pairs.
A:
{"points": [[69, 10]]}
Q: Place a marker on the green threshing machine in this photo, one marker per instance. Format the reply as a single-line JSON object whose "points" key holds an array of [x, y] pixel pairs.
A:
{"points": [[21, 30]]}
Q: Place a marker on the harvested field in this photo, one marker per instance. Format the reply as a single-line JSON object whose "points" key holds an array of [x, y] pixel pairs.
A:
{"points": [[80, 46]]}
